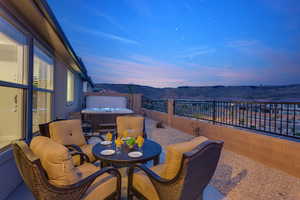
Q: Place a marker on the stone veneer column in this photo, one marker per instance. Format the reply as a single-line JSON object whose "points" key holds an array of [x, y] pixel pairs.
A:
{"points": [[170, 111], [137, 102]]}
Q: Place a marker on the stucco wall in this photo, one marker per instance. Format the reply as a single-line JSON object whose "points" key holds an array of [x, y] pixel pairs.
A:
{"points": [[61, 109], [272, 151], [157, 116]]}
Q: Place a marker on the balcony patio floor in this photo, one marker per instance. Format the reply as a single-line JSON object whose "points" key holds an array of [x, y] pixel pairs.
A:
{"points": [[237, 177]]}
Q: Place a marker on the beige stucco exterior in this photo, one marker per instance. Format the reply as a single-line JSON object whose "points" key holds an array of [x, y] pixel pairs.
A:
{"points": [[61, 108]]}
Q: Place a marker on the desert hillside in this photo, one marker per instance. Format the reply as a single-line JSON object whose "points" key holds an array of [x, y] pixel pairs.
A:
{"points": [[283, 93]]}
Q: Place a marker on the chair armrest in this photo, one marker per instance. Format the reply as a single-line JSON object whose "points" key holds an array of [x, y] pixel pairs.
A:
{"points": [[151, 174], [83, 156], [162, 186], [78, 189], [90, 179], [73, 147], [111, 170]]}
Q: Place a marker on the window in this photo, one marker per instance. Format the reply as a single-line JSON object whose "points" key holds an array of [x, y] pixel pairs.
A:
{"points": [[42, 70], [43, 87], [85, 86], [11, 119], [41, 107], [70, 87], [13, 82], [12, 54]]}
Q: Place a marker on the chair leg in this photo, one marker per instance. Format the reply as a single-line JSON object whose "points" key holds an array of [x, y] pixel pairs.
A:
{"points": [[130, 197], [129, 193], [129, 185]]}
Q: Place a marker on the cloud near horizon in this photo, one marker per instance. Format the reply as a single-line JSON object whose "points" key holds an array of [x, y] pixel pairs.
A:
{"points": [[144, 70]]}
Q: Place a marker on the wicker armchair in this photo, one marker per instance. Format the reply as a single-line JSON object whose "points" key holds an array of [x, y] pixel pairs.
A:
{"points": [[196, 169], [79, 156], [69, 133], [44, 128], [36, 179], [134, 123]]}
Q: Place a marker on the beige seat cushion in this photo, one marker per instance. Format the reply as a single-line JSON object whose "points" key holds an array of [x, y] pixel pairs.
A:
{"points": [[86, 169], [67, 132], [174, 153], [101, 188], [133, 123], [143, 184], [56, 160]]}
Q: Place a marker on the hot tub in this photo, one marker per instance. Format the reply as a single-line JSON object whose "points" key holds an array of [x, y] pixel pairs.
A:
{"points": [[106, 111], [101, 111], [103, 119]]}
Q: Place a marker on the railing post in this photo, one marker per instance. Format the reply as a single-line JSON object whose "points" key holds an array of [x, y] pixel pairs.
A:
{"points": [[170, 111], [214, 112]]}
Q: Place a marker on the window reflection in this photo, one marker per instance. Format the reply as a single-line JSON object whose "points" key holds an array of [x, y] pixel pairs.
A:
{"points": [[12, 54], [42, 70], [41, 109]]}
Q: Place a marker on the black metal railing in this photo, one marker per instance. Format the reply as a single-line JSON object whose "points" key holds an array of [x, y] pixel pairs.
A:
{"points": [[281, 118], [157, 105]]}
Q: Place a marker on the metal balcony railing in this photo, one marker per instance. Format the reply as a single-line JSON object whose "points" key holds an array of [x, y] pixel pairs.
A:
{"points": [[280, 118], [157, 105]]}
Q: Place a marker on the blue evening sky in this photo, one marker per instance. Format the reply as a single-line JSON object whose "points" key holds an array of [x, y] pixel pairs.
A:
{"points": [[170, 43]]}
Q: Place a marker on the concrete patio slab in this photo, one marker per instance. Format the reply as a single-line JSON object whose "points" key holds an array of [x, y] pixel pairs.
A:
{"points": [[237, 177]]}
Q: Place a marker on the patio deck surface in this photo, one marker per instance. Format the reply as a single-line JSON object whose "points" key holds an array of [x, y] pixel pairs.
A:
{"points": [[237, 177]]}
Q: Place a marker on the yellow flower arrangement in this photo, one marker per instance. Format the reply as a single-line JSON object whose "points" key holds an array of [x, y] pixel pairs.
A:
{"points": [[140, 141], [119, 142], [109, 136]]}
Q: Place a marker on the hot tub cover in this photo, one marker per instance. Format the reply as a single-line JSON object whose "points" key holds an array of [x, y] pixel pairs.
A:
{"points": [[106, 111]]}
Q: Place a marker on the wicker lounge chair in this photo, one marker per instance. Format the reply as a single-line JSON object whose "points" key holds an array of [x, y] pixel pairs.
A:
{"points": [[69, 133], [60, 180], [188, 169], [134, 123]]}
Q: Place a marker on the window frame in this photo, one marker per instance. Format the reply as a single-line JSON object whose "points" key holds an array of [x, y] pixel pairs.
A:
{"points": [[31, 38], [36, 44], [70, 103]]}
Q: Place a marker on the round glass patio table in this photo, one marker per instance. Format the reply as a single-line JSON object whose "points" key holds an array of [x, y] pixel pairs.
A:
{"points": [[151, 151]]}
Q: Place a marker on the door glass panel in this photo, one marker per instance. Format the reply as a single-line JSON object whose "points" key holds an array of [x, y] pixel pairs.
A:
{"points": [[12, 54], [41, 109], [42, 70], [11, 118]]}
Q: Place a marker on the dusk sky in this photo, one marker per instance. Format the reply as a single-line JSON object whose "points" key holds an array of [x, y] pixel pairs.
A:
{"points": [[170, 43]]}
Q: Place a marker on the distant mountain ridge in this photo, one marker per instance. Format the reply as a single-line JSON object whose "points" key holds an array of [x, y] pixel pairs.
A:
{"points": [[283, 93]]}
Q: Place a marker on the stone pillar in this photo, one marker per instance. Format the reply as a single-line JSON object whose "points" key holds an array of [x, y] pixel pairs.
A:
{"points": [[137, 102], [170, 111]]}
